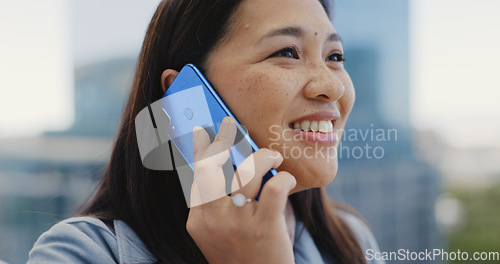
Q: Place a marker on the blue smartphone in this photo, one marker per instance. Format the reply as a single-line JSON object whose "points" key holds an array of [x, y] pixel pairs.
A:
{"points": [[191, 101]]}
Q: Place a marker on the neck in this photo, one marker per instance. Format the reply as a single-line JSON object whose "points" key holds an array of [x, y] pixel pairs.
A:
{"points": [[290, 220]]}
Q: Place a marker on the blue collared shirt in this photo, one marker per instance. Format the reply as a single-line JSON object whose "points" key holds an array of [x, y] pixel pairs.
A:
{"points": [[89, 240]]}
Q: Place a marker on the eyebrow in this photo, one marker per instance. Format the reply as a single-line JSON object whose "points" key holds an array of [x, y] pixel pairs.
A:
{"points": [[296, 32], [334, 37]]}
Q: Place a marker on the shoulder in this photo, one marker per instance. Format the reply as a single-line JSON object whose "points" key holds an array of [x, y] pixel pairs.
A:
{"points": [[361, 231], [76, 240], [88, 240]]}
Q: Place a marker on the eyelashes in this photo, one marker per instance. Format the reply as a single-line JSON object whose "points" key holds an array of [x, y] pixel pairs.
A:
{"points": [[338, 57], [288, 52], [292, 52]]}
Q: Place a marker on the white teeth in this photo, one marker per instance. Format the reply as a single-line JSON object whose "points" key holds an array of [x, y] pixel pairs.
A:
{"points": [[324, 126], [314, 126], [305, 125], [296, 125]]}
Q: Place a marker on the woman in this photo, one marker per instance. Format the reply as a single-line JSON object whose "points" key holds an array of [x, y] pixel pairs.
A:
{"points": [[277, 64]]}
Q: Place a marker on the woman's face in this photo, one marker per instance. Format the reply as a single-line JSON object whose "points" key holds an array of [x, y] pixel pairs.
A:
{"points": [[279, 69]]}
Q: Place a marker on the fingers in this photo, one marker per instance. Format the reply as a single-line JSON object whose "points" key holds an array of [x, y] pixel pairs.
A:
{"points": [[209, 181], [223, 141], [274, 196], [201, 141], [250, 172]]}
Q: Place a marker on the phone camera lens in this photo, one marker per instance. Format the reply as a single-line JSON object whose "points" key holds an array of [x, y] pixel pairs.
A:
{"points": [[188, 113]]}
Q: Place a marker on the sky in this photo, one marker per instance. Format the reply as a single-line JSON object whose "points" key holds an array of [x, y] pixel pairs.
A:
{"points": [[453, 52], [455, 89], [36, 68]]}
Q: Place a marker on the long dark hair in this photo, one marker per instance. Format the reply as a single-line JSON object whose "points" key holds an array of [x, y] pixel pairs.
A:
{"points": [[152, 202]]}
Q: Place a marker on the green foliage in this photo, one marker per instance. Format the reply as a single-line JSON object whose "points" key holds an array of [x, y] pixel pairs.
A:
{"points": [[481, 232]]}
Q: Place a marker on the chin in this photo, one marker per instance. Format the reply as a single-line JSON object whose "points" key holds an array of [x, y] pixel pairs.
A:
{"points": [[310, 175]]}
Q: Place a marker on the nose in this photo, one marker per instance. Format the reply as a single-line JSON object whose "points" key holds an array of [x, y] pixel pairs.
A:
{"points": [[323, 84]]}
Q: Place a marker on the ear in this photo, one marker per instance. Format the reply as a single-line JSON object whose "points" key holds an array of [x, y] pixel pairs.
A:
{"points": [[167, 77]]}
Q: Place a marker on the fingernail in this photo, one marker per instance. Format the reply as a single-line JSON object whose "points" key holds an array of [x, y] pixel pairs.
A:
{"points": [[227, 120], [277, 154], [293, 181]]}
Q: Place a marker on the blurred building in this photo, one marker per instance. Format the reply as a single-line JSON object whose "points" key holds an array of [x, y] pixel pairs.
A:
{"points": [[45, 179], [379, 171]]}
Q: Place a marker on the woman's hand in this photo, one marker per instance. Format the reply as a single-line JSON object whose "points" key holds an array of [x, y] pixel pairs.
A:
{"points": [[225, 233]]}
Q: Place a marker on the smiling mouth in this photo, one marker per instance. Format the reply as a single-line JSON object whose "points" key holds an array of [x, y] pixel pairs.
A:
{"points": [[322, 126]]}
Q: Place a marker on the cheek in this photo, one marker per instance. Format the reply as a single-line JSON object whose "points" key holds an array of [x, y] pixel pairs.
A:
{"points": [[347, 100], [258, 99]]}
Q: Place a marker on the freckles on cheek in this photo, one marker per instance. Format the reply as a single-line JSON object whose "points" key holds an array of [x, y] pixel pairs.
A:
{"points": [[261, 93], [258, 97]]}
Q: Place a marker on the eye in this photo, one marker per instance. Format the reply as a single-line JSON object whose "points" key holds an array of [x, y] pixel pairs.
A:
{"points": [[336, 57], [289, 52]]}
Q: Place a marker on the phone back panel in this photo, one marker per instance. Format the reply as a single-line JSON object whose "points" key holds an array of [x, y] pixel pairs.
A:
{"points": [[190, 101]]}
